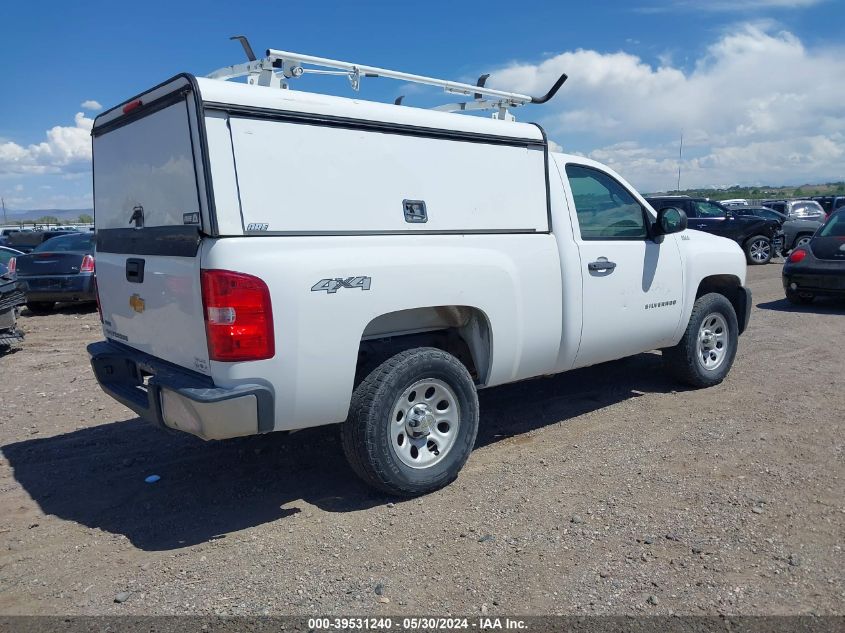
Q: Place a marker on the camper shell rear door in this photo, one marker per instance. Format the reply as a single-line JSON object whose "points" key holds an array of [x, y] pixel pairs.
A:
{"points": [[151, 208]]}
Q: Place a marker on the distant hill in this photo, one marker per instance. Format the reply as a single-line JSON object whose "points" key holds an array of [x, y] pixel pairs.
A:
{"points": [[763, 191], [30, 215]]}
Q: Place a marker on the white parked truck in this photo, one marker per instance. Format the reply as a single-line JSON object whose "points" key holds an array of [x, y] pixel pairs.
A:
{"points": [[270, 260]]}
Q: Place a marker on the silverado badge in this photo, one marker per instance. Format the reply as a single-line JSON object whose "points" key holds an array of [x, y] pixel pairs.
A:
{"points": [[136, 303]]}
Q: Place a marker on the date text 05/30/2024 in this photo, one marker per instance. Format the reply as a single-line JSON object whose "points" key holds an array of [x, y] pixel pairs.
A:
{"points": [[416, 623]]}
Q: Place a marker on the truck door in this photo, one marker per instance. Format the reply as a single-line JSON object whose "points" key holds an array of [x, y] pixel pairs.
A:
{"points": [[632, 284], [712, 218]]}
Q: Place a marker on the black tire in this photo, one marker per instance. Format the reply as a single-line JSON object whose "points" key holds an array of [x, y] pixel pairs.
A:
{"points": [[806, 237], [799, 298], [366, 435], [41, 307], [758, 244], [682, 361]]}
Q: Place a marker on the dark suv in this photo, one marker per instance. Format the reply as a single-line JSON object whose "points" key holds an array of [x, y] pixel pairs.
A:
{"points": [[830, 203], [760, 238]]}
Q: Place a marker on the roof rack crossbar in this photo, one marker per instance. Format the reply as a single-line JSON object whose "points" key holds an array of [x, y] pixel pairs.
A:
{"points": [[279, 66], [351, 67]]}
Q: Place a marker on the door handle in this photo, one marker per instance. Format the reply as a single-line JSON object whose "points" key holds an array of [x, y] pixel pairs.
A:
{"points": [[600, 265], [135, 270], [701, 226]]}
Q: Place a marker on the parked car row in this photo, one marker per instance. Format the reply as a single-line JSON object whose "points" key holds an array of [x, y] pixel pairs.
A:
{"points": [[816, 208], [25, 241], [760, 237], [795, 232], [763, 231]]}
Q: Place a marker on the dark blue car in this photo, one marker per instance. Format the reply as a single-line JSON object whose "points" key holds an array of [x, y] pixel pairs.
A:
{"points": [[58, 270]]}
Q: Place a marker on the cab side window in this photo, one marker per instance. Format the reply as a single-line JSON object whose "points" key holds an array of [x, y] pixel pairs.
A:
{"points": [[708, 210], [605, 209]]}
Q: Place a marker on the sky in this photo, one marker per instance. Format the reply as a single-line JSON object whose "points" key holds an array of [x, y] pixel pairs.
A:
{"points": [[755, 87]]}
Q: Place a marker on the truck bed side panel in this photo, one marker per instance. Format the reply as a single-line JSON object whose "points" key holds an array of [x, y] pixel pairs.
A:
{"points": [[513, 279]]}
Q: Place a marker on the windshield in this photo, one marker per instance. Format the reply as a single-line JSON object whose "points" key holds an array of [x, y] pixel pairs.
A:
{"points": [[835, 227], [78, 242]]}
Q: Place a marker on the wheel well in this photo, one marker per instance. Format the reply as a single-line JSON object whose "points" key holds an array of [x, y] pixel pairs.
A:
{"points": [[730, 287], [751, 237], [463, 331]]}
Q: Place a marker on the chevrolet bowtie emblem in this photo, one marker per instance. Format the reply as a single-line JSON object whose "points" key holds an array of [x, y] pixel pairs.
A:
{"points": [[136, 303]]}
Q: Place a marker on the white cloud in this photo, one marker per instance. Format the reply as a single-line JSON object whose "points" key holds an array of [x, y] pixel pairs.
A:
{"points": [[757, 107], [67, 149], [91, 105]]}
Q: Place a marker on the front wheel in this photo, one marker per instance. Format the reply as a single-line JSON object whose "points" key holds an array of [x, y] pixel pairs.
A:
{"points": [[706, 352], [412, 422], [802, 241], [758, 250]]}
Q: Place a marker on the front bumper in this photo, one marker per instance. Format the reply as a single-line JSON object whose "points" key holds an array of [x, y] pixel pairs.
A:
{"points": [[180, 399], [75, 288]]}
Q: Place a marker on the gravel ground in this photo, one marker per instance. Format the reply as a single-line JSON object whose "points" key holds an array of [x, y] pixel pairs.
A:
{"points": [[606, 490]]}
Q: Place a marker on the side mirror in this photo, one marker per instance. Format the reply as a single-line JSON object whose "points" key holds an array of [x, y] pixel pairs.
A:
{"points": [[670, 220]]}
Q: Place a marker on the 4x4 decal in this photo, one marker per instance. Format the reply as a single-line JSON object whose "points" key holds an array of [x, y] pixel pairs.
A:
{"points": [[333, 285]]}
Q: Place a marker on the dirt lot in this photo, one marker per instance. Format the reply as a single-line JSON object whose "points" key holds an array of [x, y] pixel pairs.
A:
{"points": [[607, 490]]}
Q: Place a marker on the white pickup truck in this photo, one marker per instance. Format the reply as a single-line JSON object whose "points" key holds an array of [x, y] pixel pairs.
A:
{"points": [[270, 260]]}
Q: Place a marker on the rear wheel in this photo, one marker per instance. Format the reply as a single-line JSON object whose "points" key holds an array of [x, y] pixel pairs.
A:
{"points": [[706, 352], [797, 297], [40, 307], [758, 250], [412, 422]]}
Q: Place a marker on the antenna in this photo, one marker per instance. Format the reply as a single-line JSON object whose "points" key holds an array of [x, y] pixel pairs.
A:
{"points": [[680, 159], [278, 67], [3, 202]]}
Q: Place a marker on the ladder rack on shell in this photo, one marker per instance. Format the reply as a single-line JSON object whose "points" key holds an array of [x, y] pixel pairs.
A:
{"points": [[278, 67]]}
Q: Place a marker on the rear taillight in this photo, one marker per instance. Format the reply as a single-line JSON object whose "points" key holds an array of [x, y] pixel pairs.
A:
{"points": [[797, 256], [238, 316], [13, 265], [87, 265]]}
